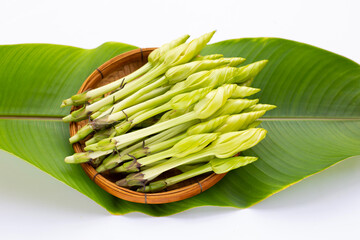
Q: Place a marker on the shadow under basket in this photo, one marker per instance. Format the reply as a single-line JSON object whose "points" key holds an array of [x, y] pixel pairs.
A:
{"points": [[112, 70]]}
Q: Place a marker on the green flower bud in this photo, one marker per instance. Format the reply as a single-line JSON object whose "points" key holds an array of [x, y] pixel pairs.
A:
{"points": [[247, 83], [259, 107], [207, 57], [194, 81], [243, 91], [220, 165], [184, 100], [254, 124], [103, 145], [226, 75], [193, 144], [186, 51], [229, 144], [239, 121], [213, 101], [234, 61], [78, 158], [220, 76], [233, 106], [208, 126], [181, 72], [248, 72], [160, 52], [213, 78]]}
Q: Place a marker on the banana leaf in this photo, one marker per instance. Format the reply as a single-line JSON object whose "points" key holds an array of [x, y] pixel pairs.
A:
{"points": [[316, 124]]}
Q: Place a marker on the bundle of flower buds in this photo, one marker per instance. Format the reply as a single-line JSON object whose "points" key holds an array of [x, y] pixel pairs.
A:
{"points": [[180, 110]]}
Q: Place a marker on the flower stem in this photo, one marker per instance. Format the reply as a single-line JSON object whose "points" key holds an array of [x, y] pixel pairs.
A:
{"points": [[162, 184], [136, 97], [79, 99], [124, 140], [127, 90], [138, 179]]}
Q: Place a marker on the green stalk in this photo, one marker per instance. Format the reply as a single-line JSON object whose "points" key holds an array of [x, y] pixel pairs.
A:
{"points": [[132, 99], [203, 109], [117, 116], [182, 148], [122, 140], [139, 179], [201, 79], [127, 90], [176, 100], [193, 129], [192, 83], [115, 159], [140, 153], [150, 95], [96, 162], [159, 138], [225, 146], [81, 98], [108, 132], [152, 165], [176, 74], [155, 147], [181, 101], [195, 81], [81, 134], [162, 184], [140, 96], [154, 58], [221, 124], [174, 113], [153, 144], [86, 156], [194, 164], [100, 111], [217, 165], [100, 135], [179, 55]]}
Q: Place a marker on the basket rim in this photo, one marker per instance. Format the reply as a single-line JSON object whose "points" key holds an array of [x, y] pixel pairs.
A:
{"points": [[124, 193]]}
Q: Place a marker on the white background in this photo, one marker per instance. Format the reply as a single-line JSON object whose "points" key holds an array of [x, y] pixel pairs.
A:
{"points": [[36, 206]]}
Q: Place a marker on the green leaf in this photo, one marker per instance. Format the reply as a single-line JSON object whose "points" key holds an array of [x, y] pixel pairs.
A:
{"points": [[316, 123], [35, 77]]}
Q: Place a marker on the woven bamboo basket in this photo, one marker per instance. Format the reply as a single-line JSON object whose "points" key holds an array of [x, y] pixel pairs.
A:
{"points": [[112, 70]]}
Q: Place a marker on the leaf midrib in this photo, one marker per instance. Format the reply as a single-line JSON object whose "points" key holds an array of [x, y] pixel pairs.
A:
{"points": [[45, 118]]}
